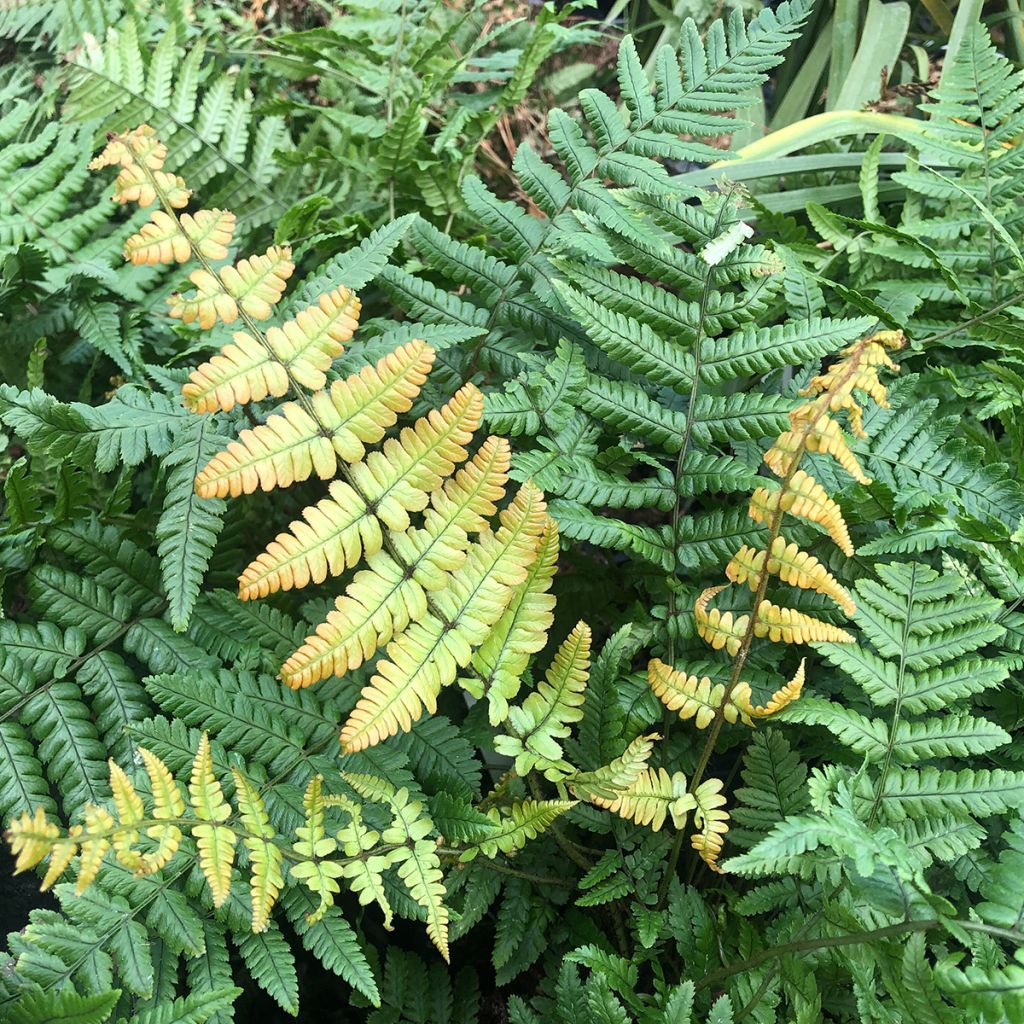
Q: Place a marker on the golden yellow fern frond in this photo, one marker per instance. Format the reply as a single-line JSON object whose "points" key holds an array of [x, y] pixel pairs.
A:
{"points": [[216, 843], [712, 821], [130, 812], [429, 653], [302, 349], [168, 803], [291, 445], [265, 857], [97, 826], [137, 185], [717, 628], [806, 498], [696, 698], [788, 626], [32, 838], [61, 855], [841, 382], [780, 698], [824, 436], [385, 597], [253, 285], [654, 796], [792, 566], [464, 505], [521, 631]]}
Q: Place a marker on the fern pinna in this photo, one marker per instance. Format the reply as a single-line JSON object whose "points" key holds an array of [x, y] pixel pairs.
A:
{"points": [[410, 594]]}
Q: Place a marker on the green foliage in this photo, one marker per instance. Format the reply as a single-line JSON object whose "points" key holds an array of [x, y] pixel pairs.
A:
{"points": [[555, 210]]}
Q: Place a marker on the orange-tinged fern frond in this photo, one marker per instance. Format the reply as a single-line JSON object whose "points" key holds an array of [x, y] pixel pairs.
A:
{"points": [[164, 240], [712, 821], [210, 232], [138, 146], [696, 698], [291, 445], [137, 185], [805, 498], [333, 534], [429, 653], [253, 285], [788, 626], [792, 566], [717, 628], [385, 597], [159, 241], [781, 697], [302, 348]]}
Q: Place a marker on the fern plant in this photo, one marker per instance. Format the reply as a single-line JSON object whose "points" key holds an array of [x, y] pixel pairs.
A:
{"points": [[233, 532], [366, 513]]}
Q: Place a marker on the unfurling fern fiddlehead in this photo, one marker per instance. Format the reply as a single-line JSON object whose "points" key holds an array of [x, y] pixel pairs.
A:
{"points": [[408, 596], [812, 429]]}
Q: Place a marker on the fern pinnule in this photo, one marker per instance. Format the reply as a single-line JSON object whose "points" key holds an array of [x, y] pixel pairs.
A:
{"points": [[265, 856], [215, 842], [252, 287], [521, 631], [693, 697], [654, 796]]}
